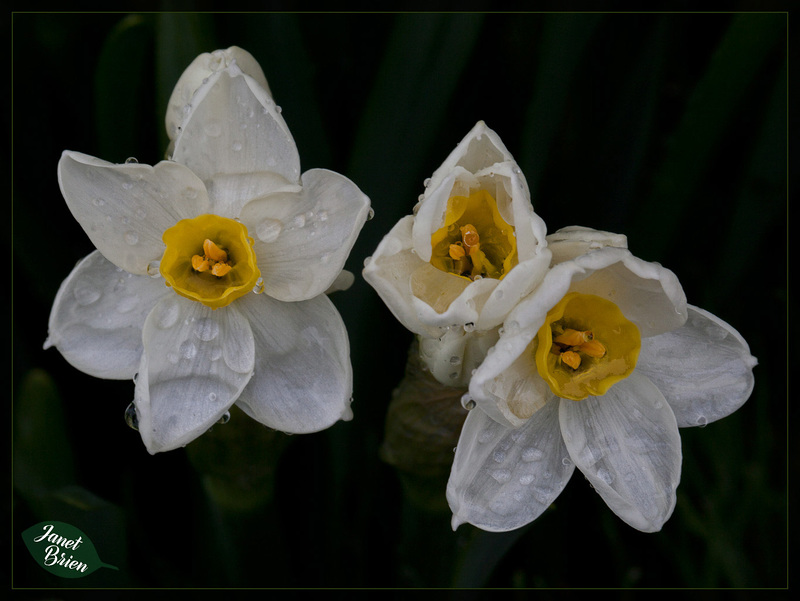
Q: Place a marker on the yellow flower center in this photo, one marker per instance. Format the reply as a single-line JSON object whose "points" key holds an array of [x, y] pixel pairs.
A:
{"points": [[586, 346], [209, 259], [475, 241]]}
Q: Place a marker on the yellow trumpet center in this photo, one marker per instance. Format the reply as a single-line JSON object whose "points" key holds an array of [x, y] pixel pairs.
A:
{"points": [[585, 346], [209, 259], [475, 241]]}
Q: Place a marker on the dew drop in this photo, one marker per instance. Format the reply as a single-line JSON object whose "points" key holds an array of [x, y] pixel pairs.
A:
{"points": [[86, 295], [268, 230], [131, 238], [153, 269], [485, 436], [499, 456], [299, 221], [259, 286], [190, 193], [467, 402], [212, 129], [526, 479], [188, 349], [702, 421], [236, 146], [370, 213], [469, 327], [605, 475], [128, 304], [131, 160], [455, 359], [216, 352], [532, 454], [206, 329], [427, 182], [98, 202], [168, 315], [226, 417], [502, 476], [131, 418]]}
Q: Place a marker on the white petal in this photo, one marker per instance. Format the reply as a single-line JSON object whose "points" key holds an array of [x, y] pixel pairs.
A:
{"points": [[303, 379], [197, 72], [516, 285], [479, 149], [98, 314], [627, 445], [507, 385], [452, 358], [235, 127], [195, 364], [647, 294], [124, 209], [573, 241], [302, 241], [704, 368], [389, 272], [504, 478]]}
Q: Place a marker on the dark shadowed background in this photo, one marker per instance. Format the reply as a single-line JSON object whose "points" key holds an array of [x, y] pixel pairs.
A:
{"points": [[668, 127]]}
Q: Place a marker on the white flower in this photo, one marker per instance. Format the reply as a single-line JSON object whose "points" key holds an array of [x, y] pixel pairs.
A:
{"points": [[227, 217], [597, 369], [471, 250]]}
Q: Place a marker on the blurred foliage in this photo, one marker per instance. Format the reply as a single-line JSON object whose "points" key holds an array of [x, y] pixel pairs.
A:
{"points": [[668, 127]]}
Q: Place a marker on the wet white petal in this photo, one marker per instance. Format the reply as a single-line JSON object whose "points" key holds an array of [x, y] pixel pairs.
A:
{"points": [[456, 354], [507, 385], [503, 478], [98, 314], [572, 241], [704, 368], [180, 103], [303, 379], [647, 294], [302, 240], [124, 209], [627, 445], [235, 127], [195, 364]]}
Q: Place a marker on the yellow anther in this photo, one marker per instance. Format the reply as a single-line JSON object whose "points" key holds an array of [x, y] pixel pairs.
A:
{"points": [[593, 348], [572, 337], [220, 269], [214, 252], [200, 263], [457, 251], [470, 237], [571, 358]]}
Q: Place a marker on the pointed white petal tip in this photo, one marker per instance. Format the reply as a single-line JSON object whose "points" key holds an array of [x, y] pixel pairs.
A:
{"points": [[455, 522]]}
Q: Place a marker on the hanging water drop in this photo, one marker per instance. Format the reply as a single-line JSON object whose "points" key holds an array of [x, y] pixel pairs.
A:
{"points": [[131, 418], [226, 417], [131, 160]]}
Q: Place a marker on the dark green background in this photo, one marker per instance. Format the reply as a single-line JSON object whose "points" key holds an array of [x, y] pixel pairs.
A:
{"points": [[668, 127]]}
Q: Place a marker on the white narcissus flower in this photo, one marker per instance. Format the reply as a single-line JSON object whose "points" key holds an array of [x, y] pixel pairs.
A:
{"points": [[247, 247], [472, 249], [597, 369]]}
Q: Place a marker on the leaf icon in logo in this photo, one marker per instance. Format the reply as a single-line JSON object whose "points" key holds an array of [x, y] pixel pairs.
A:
{"points": [[62, 549]]}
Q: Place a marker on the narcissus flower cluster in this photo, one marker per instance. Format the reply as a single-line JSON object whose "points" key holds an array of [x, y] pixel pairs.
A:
{"points": [[208, 284], [580, 354]]}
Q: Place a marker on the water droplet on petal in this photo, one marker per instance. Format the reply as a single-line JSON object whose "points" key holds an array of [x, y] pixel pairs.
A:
{"points": [[168, 315], [86, 295], [268, 230], [206, 329], [370, 213], [605, 475], [467, 402], [236, 146], [98, 202], [469, 327], [226, 417], [212, 129], [188, 349], [427, 182], [532, 454], [499, 456], [259, 287], [153, 269], [131, 418], [502, 476], [131, 238], [131, 160], [702, 421]]}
